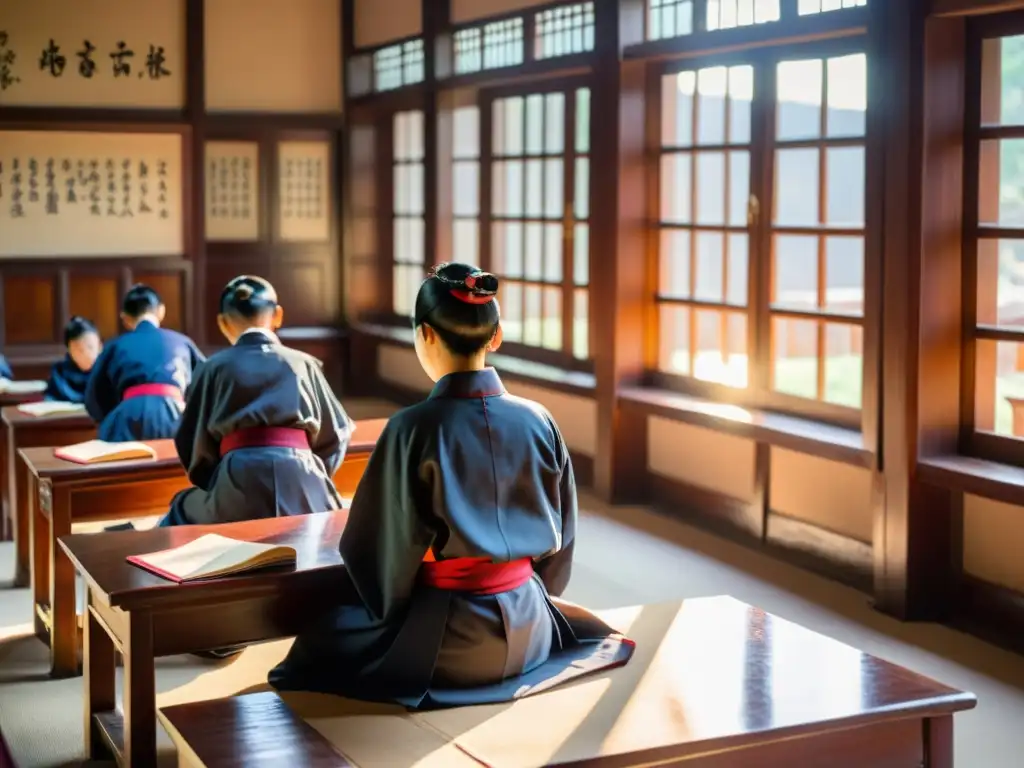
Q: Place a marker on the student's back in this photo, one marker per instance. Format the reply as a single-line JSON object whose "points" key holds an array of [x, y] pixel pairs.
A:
{"points": [[5, 369], [69, 378]]}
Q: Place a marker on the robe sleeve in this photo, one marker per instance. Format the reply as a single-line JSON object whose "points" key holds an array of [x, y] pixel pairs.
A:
{"points": [[198, 451], [331, 440], [100, 396], [197, 357], [54, 390], [555, 569], [5, 369], [387, 536]]}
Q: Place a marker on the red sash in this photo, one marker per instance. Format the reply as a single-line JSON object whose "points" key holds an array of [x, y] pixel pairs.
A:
{"points": [[156, 390], [476, 575], [265, 437]]}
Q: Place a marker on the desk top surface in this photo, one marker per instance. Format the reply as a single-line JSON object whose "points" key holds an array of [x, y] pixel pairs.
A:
{"points": [[16, 418], [708, 674], [101, 558]]}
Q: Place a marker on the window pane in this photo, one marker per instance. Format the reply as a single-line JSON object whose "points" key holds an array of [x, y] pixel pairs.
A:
{"points": [[796, 187], [511, 301], [796, 272], [534, 124], [677, 109], [1007, 52], [534, 188], [847, 95], [844, 275], [416, 240], [465, 188], [999, 399], [845, 194], [674, 339], [533, 315], [552, 330], [711, 92], [795, 357], [466, 132], [508, 188], [581, 326], [844, 360], [709, 266], [1001, 173], [400, 129], [799, 99], [415, 199], [676, 202], [534, 253], [498, 127], [513, 126], [401, 189], [554, 123], [414, 148], [739, 188], [554, 178], [400, 239], [1000, 298], [741, 95], [514, 249], [736, 291], [553, 252], [583, 120], [582, 193], [465, 245], [721, 348], [711, 188], [674, 270], [581, 254]]}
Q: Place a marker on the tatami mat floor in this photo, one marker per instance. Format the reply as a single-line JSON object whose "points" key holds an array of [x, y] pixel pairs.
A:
{"points": [[625, 556]]}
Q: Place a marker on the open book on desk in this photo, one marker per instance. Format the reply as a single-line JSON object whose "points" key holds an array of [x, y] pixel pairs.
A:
{"points": [[211, 556], [8, 387], [51, 408], [98, 451]]}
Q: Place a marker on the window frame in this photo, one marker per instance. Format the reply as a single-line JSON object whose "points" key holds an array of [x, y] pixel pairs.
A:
{"points": [[1004, 449], [758, 393]]}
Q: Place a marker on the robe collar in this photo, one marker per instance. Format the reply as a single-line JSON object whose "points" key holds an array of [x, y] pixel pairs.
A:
{"points": [[469, 384], [256, 336]]}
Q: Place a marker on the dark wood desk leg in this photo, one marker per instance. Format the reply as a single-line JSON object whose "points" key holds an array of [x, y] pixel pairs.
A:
{"points": [[100, 683], [5, 500], [20, 481], [139, 695], [63, 611], [938, 742], [36, 533]]}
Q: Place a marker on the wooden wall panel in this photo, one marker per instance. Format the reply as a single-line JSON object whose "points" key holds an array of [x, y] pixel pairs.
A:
{"points": [[29, 303], [302, 290], [96, 298], [171, 289]]}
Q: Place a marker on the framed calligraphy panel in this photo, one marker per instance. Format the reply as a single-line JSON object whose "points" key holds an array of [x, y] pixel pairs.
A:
{"points": [[304, 191], [63, 53], [90, 194], [232, 191]]}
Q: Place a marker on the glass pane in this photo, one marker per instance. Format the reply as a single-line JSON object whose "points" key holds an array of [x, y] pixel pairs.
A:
{"points": [[847, 95], [709, 267], [796, 272], [844, 364], [999, 397], [581, 326], [799, 85], [845, 193], [510, 297], [535, 124], [711, 188], [1007, 53], [1001, 283], [796, 187], [510, 193], [466, 131], [498, 127], [534, 253], [741, 95], [736, 290], [554, 124], [844, 275], [401, 189], [416, 240], [415, 136], [674, 339], [400, 140], [720, 357], [677, 109], [533, 315], [552, 330], [554, 196], [465, 242], [1001, 174], [514, 249], [513, 126], [739, 188], [795, 357], [711, 92], [582, 193], [400, 298], [676, 202], [534, 188], [466, 188], [581, 254], [674, 269], [400, 239], [415, 199], [499, 247], [553, 252], [583, 120]]}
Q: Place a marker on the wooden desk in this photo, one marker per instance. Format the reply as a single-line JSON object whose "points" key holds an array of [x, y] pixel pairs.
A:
{"points": [[17, 398], [143, 616], [714, 683], [64, 493], [20, 430]]}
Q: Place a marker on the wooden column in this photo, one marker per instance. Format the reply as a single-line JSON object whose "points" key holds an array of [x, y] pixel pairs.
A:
{"points": [[917, 72], [195, 207], [618, 244], [436, 20]]}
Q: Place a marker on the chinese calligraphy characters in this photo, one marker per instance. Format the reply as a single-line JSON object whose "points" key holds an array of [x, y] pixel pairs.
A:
{"points": [[7, 59], [303, 188]]}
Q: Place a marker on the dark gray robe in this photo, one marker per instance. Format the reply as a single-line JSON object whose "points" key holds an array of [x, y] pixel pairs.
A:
{"points": [[472, 472], [259, 382]]}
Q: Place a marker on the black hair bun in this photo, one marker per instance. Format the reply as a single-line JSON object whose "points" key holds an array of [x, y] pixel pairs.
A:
{"points": [[247, 296], [243, 292], [482, 284]]}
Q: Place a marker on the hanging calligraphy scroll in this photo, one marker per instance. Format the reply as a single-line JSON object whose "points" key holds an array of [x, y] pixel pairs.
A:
{"points": [[304, 191], [232, 191]]}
